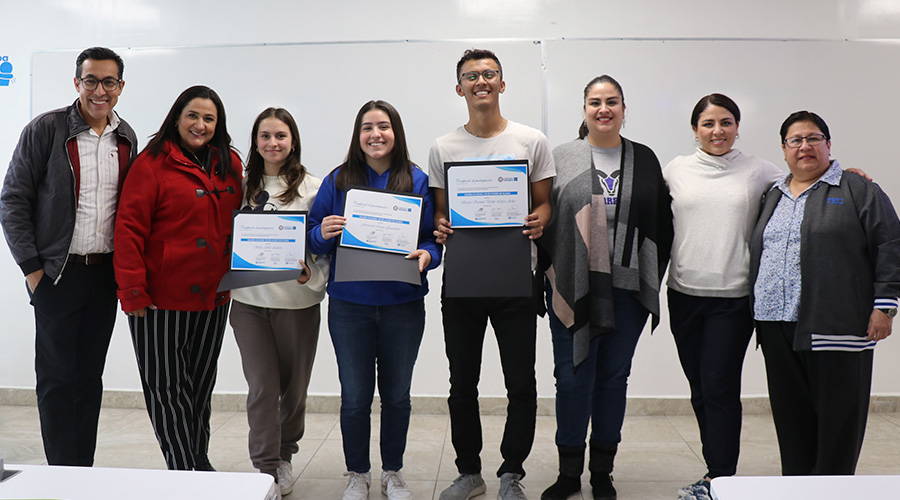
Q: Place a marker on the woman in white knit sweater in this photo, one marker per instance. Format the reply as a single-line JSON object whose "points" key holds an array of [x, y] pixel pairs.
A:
{"points": [[716, 194], [276, 325]]}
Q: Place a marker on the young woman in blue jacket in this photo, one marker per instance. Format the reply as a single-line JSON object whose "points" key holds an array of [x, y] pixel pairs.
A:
{"points": [[376, 326]]}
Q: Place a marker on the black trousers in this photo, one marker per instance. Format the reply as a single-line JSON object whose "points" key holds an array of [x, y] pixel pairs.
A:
{"points": [[515, 326], [177, 354], [712, 334], [820, 402], [74, 320]]}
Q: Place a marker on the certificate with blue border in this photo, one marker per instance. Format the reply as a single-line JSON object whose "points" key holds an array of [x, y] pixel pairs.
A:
{"points": [[385, 221], [266, 247], [487, 193], [268, 241]]}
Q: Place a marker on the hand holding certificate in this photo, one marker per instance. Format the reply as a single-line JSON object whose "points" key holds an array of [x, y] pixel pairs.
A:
{"points": [[381, 220], [268, 241], [266, 247], [380, 237], [488, 205]]}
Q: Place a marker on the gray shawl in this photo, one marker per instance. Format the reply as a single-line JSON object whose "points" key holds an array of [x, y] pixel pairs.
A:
{"points": [[575, 247]]}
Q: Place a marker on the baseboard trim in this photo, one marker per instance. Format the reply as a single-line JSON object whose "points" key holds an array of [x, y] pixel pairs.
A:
{"points": [[437, 405]]}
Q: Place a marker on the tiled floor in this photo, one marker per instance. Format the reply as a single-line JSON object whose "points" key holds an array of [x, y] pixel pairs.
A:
{"points": [[658, 454]]}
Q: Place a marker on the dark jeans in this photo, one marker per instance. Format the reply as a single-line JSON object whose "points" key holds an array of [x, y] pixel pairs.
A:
{"points": [[820, 402], [369, 339], [596, 391], [74, 320], [515, 325], [712, 334]]}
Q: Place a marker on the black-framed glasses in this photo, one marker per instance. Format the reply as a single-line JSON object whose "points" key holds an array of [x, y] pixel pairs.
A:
{"points": [[489, 75], [813, 140], [109, 84]]}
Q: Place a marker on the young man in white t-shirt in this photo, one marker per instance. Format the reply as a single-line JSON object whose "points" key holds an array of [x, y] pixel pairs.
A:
{"points": [[489, 136]]}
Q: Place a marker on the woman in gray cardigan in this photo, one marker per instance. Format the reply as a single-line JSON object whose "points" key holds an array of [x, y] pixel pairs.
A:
{"points": [[825, 268]]}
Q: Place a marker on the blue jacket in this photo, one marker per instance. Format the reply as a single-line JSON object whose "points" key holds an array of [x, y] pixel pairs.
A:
{"points": [[330, 201], [39, 196]]}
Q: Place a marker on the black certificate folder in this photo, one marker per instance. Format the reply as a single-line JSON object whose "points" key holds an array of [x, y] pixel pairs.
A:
{"points": [[488, 262]]}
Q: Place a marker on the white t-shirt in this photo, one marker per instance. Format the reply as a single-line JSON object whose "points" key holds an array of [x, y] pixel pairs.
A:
{"points": [[516, 142], [607, 164]]}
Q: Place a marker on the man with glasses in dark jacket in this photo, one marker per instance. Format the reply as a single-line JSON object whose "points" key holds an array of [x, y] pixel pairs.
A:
{"points": [[57, 208]]}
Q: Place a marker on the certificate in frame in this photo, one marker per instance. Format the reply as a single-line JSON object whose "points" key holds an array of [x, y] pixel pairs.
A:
{"points": [[382, 220], [268, 240], [488, 193]]}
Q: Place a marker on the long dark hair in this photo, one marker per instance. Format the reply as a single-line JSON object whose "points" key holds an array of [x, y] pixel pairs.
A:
{"points": [[583, 129], [292, 171], [353, 171], [221, 141]]}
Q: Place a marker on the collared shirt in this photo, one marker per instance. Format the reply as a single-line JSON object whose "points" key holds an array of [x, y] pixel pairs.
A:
{"points": [[778, 284], [95, 215]]}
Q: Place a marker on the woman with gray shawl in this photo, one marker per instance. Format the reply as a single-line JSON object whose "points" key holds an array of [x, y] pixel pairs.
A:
{"points": [[606, 253]]}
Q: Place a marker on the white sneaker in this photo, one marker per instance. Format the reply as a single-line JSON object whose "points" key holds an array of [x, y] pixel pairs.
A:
{"points": [[357, 485], [393, 486], [285, 474]]}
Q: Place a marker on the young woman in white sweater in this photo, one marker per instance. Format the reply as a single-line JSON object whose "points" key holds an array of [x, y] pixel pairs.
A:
{"points": [[276, 325]]}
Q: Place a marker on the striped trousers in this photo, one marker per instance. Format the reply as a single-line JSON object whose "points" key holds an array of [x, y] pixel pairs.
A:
{"points": [[177, 353]]}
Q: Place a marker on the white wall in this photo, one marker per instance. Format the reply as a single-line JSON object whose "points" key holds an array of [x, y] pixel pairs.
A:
{"points": [[834, 57]]}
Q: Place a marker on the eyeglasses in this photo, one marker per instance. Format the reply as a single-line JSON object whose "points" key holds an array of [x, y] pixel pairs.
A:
{"points": [[813, 140], [109, 84], [489, 75]]}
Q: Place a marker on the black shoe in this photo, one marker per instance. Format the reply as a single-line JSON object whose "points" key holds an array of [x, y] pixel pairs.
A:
{"points": [[603, 488], [563, 488], [202, 464]]}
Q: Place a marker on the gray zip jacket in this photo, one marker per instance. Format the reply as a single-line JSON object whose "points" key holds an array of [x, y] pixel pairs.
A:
{"points": [[39, 195]]}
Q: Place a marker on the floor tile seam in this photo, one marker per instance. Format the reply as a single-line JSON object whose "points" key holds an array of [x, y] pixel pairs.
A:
{"points": [[312, 457], [213, 429]]}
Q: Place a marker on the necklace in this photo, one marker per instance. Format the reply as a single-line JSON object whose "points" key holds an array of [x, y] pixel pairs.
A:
{"points": [[492, 134], [199, 163]]}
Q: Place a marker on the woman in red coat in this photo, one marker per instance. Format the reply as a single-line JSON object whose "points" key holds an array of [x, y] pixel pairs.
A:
{"points": [[172, 246]]}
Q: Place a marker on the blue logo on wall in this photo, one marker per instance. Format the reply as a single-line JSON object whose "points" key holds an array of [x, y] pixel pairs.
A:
{"points": [[6, 72]]}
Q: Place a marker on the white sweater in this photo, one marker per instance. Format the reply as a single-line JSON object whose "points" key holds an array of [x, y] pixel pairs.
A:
{"points": [[715, 204], [290, 294]]}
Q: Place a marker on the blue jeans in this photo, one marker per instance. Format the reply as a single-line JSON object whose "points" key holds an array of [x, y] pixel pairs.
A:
{"points": [[369, 339], [596, 390]]}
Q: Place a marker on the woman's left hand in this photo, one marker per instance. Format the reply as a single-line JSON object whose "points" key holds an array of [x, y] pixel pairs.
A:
{"points": [[880, 325], [304, 277], [423, 256], [535, 228]]}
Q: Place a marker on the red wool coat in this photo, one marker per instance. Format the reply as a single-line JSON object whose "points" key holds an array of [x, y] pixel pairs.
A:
{"points": [[173, 232]]}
